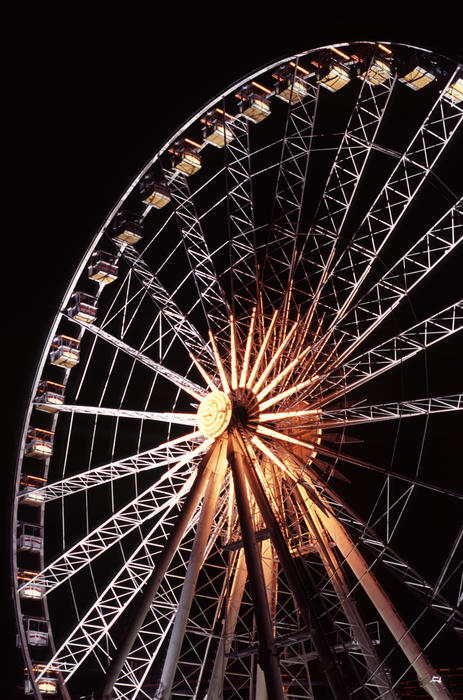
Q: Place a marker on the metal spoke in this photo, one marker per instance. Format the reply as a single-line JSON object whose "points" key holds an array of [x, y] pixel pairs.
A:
{"points": [[177, 320], [177, 418], [393, 352], [160, 456], [212, 296], [428, 144], [182, 382], [149, 504]]}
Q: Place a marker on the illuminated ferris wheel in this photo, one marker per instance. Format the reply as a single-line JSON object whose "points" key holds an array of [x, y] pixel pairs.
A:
{"points": [[237, 475]]}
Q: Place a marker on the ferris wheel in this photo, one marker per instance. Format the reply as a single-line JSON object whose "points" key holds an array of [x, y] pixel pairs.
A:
{"points": [[237, 475]]}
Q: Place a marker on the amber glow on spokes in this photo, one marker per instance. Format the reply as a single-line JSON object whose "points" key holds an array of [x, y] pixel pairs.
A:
{"points": [[270, 359]]}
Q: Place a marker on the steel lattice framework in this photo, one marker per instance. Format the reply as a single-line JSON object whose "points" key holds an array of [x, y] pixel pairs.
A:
{"points": [[240, 437]]}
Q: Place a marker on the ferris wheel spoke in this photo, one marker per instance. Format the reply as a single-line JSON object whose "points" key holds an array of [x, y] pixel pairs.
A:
{"points": [[362, 415], [396, 284], [294, 159], [182, 382], [156, 499], [213, 299], [169, 309], [383, 412], [159, 456], [428, 144], [136, 574], [209, 480], [291, 178], [347, 169], [163, 417], [204, 620], [355, 147], [240, 215], [392, 352]]}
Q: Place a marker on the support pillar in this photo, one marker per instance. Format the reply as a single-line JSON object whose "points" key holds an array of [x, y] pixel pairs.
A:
{"points": [[268, 655], [195, 562], [428, 677], [331, 564], [296, 581], [215, 689]]}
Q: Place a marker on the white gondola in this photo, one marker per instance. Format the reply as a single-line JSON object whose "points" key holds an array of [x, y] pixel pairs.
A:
{"points": [[49, 396], [185, 156], [291, 85], [127, 230], [254, 102], [82, 307], [48, 683], [455, 91], [155, 194], [378, 72], [31, 588], [36, 630], [29, 538], [65, 351], [28, 494], [39, 443], [216, 128], [103, 267]]}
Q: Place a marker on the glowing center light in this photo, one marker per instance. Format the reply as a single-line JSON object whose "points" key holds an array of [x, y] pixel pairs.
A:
{"points": [[214, 414], [247, 379]]}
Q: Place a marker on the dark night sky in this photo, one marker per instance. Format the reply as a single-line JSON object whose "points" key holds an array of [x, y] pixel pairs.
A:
{"points": [[90, 100]]}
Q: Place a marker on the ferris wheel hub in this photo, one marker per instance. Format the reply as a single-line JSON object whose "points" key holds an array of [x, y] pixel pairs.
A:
{"points": [[214, 414]]}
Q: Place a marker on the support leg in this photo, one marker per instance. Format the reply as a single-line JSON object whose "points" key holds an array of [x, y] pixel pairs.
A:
{"points": [[194, 565]]}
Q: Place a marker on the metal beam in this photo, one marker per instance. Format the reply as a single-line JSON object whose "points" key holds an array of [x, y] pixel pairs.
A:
{"points": [[427, 675], [216, 473], [268, 654], [295, 578]]}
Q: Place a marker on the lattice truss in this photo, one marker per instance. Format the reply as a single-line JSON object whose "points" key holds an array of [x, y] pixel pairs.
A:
{"points": [[257, 441]]}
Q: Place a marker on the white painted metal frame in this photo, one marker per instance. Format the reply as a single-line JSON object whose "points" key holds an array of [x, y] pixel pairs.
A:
{"points": [[284, 317]]}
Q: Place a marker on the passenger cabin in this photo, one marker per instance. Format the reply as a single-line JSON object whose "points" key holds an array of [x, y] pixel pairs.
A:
{"points": [[154, 193], [455, 91], [216, 128], [333, 75], [65, 351], [291, 85], [36, 630], [82, 307], [48, 683], [378, 72], [49, 396], [28, 494], [29, 538], [31, 588], [103, 267], [416, 73], [185, 156], [39, 443], [254, 102], [127, 229]]}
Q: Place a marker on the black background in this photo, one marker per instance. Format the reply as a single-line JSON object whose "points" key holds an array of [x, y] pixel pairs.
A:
{"points": [[89, 98]]}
